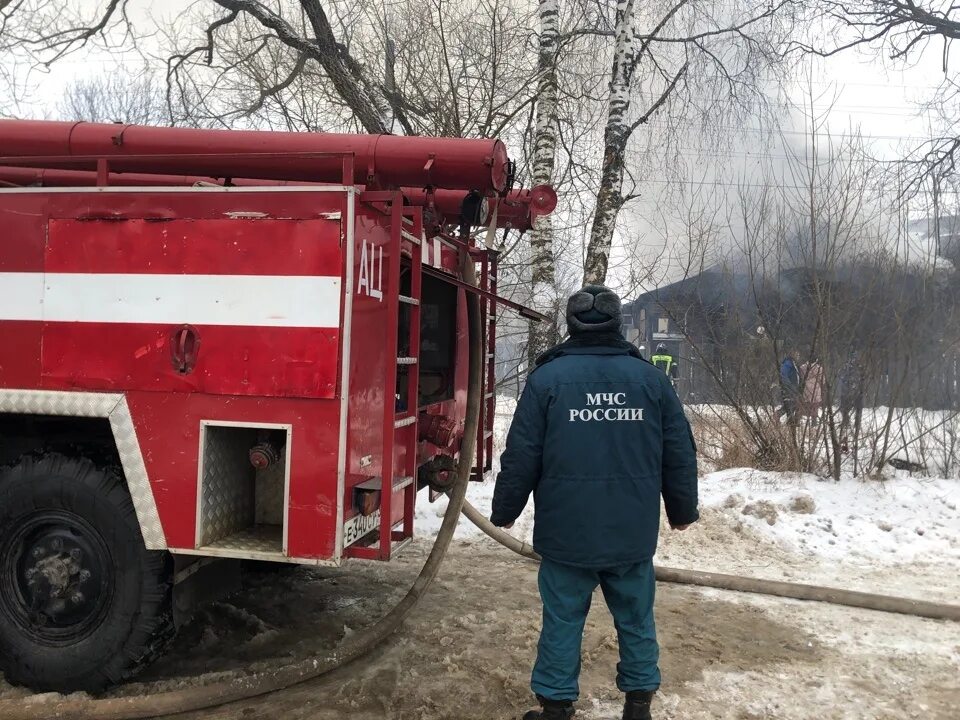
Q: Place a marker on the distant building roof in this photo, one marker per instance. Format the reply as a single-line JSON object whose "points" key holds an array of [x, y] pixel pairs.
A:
{"points": [[949, 225], [712, 287]]}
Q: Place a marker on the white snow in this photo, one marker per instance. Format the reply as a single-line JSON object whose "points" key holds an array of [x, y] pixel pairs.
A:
{"points": [[897, 520]]}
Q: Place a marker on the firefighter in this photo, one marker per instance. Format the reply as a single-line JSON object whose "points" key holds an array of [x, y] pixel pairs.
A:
{"points": [[664, 361], [789, 387], [598, 435], [850, 390]]}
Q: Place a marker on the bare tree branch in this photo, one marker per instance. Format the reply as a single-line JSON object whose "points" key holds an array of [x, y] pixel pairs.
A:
{"points": [[660, 101], [333, 57], [901, 29]]}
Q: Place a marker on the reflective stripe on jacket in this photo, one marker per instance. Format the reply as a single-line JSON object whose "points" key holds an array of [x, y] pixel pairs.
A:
{"points": [[664, 362]]}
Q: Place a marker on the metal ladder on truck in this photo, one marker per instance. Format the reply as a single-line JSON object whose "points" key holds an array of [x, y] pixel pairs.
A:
{"points": [[400, 428], [488, 315]]}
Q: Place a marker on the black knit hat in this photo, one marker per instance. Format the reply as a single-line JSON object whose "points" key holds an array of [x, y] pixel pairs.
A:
{"points": [[595, 308]]}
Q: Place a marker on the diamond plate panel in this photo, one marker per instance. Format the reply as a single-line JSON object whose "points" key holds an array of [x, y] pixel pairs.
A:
{"points": [[141, 492], [259, 539], [227, 483], [66, 404], [112, 406]]}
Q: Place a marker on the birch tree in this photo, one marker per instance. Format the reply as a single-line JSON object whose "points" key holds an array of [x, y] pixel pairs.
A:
{"points": [[688, 54], [438, 68], [543, 265]]}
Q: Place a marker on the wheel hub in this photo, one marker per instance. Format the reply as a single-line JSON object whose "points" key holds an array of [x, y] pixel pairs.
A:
{"points": [[58, 566]]}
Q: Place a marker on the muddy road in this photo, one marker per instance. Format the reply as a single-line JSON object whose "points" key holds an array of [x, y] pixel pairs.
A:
{"points": [[467, 651]]}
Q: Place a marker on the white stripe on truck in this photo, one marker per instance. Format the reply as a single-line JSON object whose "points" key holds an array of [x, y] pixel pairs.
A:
{"points": [[243, 300]]}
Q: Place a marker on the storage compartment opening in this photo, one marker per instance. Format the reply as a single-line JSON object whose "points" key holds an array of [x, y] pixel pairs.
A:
{"points": [[438, 340], [243, 481]]}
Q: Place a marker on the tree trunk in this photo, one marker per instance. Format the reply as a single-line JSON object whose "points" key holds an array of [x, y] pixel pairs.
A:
{"points": [[615, 136], [542, 335]]}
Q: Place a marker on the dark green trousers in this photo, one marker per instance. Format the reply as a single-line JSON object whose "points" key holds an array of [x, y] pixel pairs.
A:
{"points": [[566, 592]]}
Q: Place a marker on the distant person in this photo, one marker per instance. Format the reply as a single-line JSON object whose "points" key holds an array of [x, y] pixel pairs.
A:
{"points": [[811, 375], [663, 360], [850, 391], [598, 436], [789, 387]]}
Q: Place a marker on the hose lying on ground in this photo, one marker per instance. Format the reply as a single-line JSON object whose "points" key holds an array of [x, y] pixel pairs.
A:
{"points": [[260, 683], [834, 596], [199, 697]]}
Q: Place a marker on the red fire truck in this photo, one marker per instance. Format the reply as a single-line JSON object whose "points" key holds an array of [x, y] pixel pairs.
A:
{"points": [[222, 345]]}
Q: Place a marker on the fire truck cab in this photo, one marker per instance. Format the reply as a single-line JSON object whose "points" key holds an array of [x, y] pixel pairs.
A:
{"points": [[219, 344]]}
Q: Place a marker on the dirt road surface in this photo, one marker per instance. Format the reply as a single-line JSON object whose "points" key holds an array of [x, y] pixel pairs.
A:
{"points": [[466, 652]]}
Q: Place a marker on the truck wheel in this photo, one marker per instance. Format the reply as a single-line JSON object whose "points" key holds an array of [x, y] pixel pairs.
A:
{"points": [[83, 604]]}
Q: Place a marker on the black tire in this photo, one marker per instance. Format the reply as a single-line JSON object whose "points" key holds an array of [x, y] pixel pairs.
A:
{"points": [[83, 604]]}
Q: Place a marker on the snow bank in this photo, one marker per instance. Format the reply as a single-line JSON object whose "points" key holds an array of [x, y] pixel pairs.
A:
{"points": [[895, 521], [898, 520]]}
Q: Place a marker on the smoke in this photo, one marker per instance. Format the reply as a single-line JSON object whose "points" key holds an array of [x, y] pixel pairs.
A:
{"points": [[757, 204]]}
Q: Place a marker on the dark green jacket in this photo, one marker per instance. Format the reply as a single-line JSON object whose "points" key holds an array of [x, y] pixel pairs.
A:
{"points": [[598, 436]]}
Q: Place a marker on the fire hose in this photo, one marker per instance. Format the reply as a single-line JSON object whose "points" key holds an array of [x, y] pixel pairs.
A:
{"points": [[737, 583], [220, 692]]}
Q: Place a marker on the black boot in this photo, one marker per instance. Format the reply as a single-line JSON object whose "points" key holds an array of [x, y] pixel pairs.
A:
{"points": [[637, 705], [551, 710]]}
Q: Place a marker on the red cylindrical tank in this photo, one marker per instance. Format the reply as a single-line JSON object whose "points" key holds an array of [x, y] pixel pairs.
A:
{"points": [[517, 210], [55, 177], [386, 160]]}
